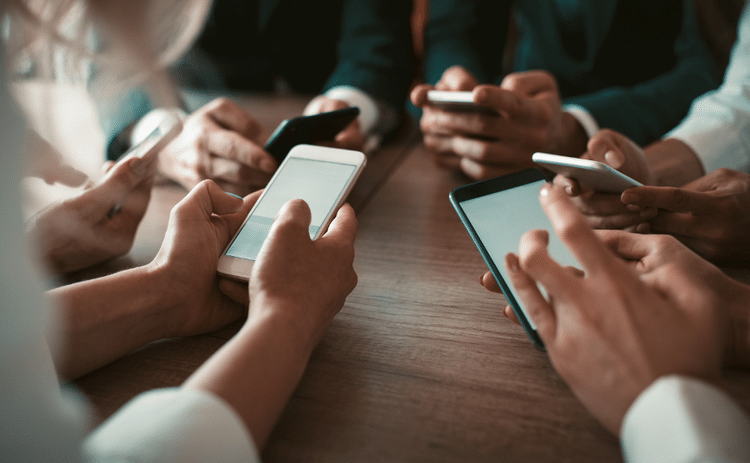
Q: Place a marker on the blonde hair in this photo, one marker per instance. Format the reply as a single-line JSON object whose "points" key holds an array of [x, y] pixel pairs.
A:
{"points": [[126, 42]]}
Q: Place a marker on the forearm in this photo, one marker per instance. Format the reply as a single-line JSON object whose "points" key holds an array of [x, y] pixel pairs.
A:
{"points": [[257, 371], [105, 318], [673, 162]]}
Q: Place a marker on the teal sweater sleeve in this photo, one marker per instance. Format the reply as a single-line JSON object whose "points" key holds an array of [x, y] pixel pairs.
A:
{"points": [[468, 33], [375, 51], [649, 109]]}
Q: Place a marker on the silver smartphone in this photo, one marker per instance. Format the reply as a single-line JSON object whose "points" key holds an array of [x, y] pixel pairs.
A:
{"points": [[457, 102], [321, 176], [590, 174]]}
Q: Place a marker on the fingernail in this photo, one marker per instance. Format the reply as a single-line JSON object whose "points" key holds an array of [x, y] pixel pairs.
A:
{"points": [[633, 207], [649, 213], [569, 190], [630, 198], [545, 190], [232, 194], [511, 262], [612, 159]]}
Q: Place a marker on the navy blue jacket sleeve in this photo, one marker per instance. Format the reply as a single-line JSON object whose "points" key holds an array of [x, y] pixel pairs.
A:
{"points": [[375, 52]]}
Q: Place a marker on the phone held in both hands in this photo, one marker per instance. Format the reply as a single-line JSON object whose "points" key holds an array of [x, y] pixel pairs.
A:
{"points": [[496, 213], [457, 102], [311, 129], [321, 176], [590, 174]]}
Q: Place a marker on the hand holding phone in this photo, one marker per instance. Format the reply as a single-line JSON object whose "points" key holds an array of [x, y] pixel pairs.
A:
{"points": [[457, 102], [311, 129], [321, 176], [148, 150], [590, 174]]}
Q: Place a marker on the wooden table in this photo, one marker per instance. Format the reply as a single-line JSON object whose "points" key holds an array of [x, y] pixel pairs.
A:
{"points": [[420, 365]]}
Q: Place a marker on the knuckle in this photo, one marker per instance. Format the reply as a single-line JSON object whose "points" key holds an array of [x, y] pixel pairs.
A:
{"points": [[222, 103]]}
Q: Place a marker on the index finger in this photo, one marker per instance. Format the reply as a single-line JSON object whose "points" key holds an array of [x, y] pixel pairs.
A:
{"points": [[508, 103], [570, 225], [344, 226], [669, 198], [230, 116], [418, 95], [235, 147]]}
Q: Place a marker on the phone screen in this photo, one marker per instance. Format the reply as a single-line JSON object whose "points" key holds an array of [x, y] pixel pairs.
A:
{"points": [[500, 219], [319, 183]]}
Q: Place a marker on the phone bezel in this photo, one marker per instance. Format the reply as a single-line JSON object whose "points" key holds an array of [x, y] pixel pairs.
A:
{"points": [[488, 187], [457, 101], [240, 269], [591, 174], [309, 129]]}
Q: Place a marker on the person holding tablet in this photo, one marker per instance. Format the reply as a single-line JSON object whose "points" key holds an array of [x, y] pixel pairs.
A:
{"points": [[649, 366], [577, 66]]}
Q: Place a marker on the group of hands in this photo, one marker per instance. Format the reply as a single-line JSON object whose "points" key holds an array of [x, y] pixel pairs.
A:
{"points": [[644, 305], [219, 150]]}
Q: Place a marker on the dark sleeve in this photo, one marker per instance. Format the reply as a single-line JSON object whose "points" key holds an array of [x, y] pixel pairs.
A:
{"points": [[375, 52], [469, 33], [648, 110]]}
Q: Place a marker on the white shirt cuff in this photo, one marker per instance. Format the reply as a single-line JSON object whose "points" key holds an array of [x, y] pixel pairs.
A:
{"points": [[151, 120], [587, 121], [679, 419], [173, 425], [716, 142], [369, 113]]}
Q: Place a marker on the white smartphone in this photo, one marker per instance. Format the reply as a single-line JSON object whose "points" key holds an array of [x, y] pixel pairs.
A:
{"points": [[319, 175], [589, 174], [457, 102], [148, 150]]}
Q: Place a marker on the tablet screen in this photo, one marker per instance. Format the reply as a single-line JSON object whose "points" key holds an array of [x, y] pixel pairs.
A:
{"points": [[501, 218]]}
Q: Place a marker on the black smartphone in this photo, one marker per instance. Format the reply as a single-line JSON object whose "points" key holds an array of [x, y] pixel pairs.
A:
{"points": [[308, 130], [496, 213]]}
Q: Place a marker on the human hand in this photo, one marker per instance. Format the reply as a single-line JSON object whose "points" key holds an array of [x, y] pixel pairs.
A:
{"points": [[42, 160], [351, 137], [437, 139], [308, 280], [711, 215], [610, 331], [200, 227], [221, 142], [605, 210], [530, 118], [98, 224]]}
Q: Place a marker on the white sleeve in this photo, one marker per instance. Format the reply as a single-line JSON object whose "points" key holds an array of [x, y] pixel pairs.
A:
{"points": [[584, 117], [717, 127], [679, 419], [172, 425]]}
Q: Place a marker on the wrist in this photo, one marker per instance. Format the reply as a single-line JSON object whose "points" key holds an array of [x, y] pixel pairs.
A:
{"points": [[672, 162], [738, 342], [166, 299], [574, 137], [283, 318]]}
